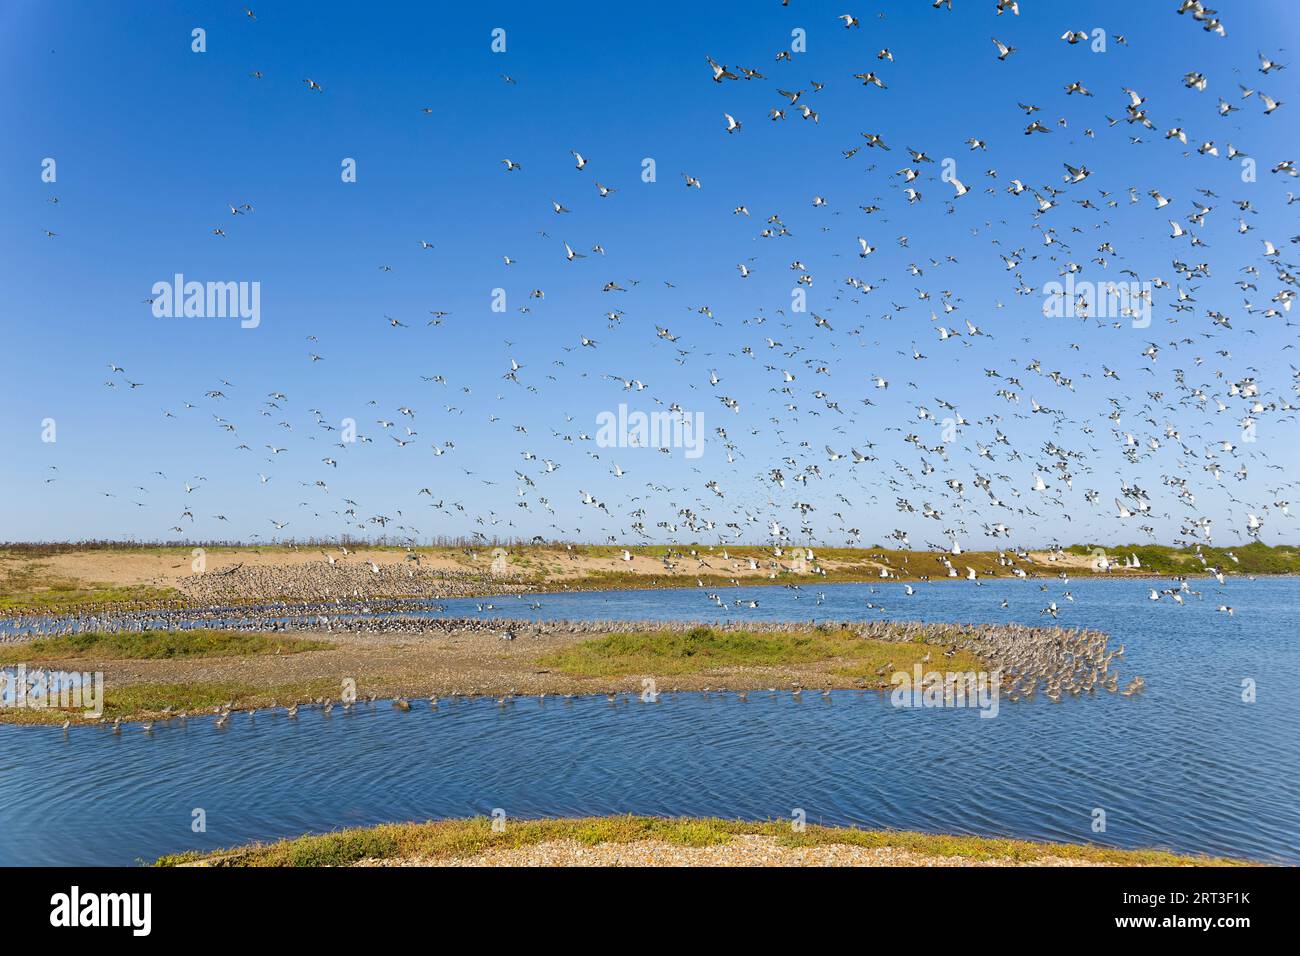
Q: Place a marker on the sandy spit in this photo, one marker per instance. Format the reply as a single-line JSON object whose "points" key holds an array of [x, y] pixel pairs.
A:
{"points": [[740, 851]]}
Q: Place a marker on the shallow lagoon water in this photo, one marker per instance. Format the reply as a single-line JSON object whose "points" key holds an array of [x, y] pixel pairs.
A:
{"points": [[1187, 765]]}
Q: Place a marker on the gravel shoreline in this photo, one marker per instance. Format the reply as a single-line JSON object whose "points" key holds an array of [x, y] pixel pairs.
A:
{"points": [[745, 850]]}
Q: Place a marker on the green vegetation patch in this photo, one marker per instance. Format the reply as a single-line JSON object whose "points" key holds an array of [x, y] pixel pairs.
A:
{"points": [[703, 649], [1254, 558], [154, 645]]}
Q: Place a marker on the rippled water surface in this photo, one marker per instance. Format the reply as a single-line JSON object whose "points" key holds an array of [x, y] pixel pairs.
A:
{"points": [[1187, 765]]}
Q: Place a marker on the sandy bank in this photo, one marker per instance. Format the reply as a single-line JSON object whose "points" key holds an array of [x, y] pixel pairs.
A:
{"points": [[657, 841]]}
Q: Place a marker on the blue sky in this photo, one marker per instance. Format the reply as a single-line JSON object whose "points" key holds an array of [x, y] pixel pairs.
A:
{"points": [[153, 141]]}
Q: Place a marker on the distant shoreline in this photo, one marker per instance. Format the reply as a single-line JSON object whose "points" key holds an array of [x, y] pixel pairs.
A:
{"points": [[51, 580]]}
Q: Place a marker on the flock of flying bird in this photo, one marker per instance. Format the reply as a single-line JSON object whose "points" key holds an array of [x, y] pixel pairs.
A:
{"points": [[1129, 432]]}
